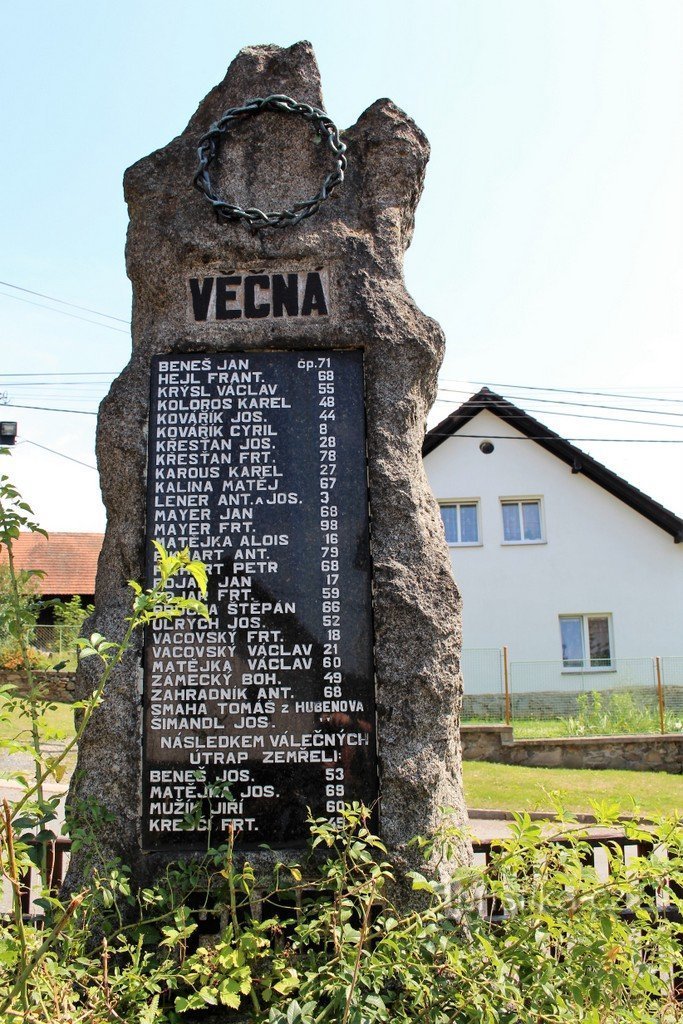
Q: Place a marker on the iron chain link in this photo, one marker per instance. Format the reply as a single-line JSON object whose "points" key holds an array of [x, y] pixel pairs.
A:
{"points": [[255, 218]]}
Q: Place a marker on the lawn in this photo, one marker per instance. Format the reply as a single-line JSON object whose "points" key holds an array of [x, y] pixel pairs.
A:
{"points": [[530, 728], [512, 788], [552, 728], [493, 785], [58, 723]]}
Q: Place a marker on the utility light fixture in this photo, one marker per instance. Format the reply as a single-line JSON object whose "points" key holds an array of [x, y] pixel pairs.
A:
{"points": [[8, 432]]}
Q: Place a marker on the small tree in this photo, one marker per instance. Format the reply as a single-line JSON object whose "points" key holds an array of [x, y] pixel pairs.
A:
{"points": [[17, 587], [70, 616]]}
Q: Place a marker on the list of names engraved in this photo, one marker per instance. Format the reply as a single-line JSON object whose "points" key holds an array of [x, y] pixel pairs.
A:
{"points": [[257, 465]]}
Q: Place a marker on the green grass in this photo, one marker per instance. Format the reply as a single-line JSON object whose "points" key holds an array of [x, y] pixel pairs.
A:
{"points": [[552, 728], [513, 788], [533, 729], [505, 787], [58, 721], [530, 728]]}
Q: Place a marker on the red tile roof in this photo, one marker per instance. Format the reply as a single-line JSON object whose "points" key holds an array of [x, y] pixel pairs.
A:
{"points": [[69, 560]]}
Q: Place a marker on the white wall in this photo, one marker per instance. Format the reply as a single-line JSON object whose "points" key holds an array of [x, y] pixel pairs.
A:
{"points": [[599, 556]]}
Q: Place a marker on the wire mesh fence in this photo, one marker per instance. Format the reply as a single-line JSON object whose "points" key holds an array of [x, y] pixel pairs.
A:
{"points": [[483, 672], [672, 682], [551, 698], [54, 639]]}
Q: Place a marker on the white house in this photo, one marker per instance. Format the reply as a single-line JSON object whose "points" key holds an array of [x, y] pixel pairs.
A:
{"points": [[572, 568]]}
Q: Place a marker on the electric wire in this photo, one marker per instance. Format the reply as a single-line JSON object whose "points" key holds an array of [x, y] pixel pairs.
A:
{"points": [[622, 440], [579, 405], [55, 383], [60, 373], [63, 302], [53, 451], [63, 312], [544, 437], [572, 391], [47, 408], [574, 415]]}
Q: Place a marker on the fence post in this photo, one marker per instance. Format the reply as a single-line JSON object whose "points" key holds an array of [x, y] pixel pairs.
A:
{"points": [[506, 683], [660, 692]]}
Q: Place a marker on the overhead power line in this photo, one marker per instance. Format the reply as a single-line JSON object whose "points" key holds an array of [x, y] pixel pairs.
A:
{"points": [[574, 391], [544, 437], [576, 415], [46, 408], [75, 373], [35, 444], [621, 440], [58, 383], [63, 302], [581, 405], [63, 312]]}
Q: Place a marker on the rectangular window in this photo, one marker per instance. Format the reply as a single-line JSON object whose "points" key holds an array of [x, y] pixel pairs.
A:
{"points": [[586, 641], [461, 522], [522, 522]]}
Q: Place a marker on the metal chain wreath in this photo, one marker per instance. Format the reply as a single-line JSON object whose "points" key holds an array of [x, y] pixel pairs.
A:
{"points": [[255, 218]]}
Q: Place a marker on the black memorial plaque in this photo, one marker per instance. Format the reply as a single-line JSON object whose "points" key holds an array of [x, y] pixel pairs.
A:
{"points": [[257, 464]]}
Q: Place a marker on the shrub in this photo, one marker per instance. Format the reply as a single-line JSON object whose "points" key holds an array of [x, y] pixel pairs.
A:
{"points": [[70, 616], [620, 713], [12, 657], [321, 941], [324, 943]]}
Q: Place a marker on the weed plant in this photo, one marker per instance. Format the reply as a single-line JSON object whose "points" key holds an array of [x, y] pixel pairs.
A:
{"points": [[536, 935], [617, 714]]}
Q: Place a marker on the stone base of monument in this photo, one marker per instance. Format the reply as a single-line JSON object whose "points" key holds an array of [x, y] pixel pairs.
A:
{"points": [[271, 420]]}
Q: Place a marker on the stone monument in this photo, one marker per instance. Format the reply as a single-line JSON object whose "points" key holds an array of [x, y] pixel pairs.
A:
{"points": [[271, 419]]}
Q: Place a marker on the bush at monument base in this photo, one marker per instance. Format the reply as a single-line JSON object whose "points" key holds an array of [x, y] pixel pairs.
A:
{"points": [[325, 945]]}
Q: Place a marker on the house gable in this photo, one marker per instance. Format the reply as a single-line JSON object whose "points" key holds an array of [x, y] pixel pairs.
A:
{"points": [[577, 460]]}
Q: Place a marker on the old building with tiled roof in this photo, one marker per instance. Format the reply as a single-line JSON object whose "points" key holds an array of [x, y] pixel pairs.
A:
{"points": [[68, 560]]}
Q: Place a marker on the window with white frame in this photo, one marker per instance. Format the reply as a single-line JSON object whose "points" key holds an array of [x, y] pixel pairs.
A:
{"points": [[461, 522], [522, 520], [586, 641]]}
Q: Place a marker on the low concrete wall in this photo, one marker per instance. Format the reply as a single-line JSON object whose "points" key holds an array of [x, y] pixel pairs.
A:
{"points": [[53, 685], [635, 753]]}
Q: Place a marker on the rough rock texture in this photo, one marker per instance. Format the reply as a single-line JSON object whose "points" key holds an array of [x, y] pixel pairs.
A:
{"points": [[647, 753], [53, 685], [360, 235]]}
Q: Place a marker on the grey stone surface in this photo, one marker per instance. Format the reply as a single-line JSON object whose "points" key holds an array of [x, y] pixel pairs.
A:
{"points": [[53, 685], [648, 753], [360, 236]]}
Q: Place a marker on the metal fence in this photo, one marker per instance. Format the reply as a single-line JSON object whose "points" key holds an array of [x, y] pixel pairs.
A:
{"points": [[54, 639], [631, 695]]}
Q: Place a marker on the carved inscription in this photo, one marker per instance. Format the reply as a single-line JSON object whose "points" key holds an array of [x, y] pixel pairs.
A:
{"points": [[257, 464], [258, 296]]}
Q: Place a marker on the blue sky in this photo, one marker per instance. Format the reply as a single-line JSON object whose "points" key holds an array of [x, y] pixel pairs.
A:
{"points": [[549, 240]]}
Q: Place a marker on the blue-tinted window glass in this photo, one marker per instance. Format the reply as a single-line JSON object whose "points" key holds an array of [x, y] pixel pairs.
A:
{"points": [[469, 533], [531, 517], [449, 517], [511, 530], [572, 642]]}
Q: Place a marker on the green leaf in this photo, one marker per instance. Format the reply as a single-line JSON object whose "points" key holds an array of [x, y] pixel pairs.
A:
{"points": [[198, 572], [293, 1012], [287, 984], [420, 882], [231, 999]]}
